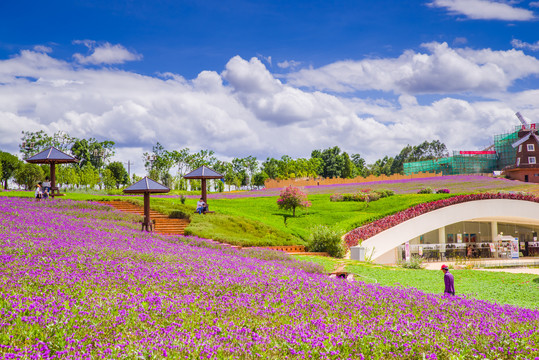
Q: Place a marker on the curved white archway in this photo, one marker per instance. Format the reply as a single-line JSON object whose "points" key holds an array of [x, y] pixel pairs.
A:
{"points": [[380, 247]]}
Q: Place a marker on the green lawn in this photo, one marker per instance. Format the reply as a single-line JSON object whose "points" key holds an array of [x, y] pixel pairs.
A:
{"points": [[343, 216], [501, 287]]}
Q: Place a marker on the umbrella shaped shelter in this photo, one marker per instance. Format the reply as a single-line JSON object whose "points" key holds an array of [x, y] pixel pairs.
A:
{"points": [[146, 186], [52, 156], [203, 173]]}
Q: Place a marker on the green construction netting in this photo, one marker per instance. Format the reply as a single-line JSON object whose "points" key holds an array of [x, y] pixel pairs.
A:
{"points": [[471, 164]]}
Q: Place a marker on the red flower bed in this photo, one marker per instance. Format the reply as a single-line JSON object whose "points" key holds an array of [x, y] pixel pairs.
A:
{"points": [[375, 227]]}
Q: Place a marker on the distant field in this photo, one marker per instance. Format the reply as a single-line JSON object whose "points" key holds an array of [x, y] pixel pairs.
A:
{"points": [[455, 183]]}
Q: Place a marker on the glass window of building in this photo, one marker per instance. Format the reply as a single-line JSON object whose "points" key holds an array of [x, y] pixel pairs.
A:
{"points": [[531, 159], [530, 147]]}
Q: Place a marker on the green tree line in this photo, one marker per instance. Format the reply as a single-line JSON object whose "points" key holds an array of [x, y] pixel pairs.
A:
{"points": [[95, 167]]}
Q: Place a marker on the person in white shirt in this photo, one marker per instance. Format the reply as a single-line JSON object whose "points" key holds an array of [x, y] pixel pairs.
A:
{"points": [[201, 206], [38, 194]]}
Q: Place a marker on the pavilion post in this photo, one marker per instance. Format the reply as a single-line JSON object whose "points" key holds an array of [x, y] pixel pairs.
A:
{"points": [[204, 191], [146, 223], [53, 180]]}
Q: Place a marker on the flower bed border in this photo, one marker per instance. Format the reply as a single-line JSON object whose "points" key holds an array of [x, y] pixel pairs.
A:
{"points": [[369, 230]]}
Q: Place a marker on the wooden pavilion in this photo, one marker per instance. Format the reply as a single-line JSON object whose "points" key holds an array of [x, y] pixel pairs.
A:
{"points": [[146, 186], [52, 156]]}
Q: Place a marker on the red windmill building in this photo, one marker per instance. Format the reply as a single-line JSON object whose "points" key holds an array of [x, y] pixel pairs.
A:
{"points": [[526, 167]]}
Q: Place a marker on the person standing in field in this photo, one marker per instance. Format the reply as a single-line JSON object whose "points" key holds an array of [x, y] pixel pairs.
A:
{"points": [[449, 281]]}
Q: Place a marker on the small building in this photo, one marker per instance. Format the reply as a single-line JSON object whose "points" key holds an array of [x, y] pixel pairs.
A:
{"points": [[488, 229], [526, 166]]}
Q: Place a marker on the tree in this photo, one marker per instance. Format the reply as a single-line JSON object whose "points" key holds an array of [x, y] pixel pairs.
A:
{"points": [[349, 169], [240, 171], [271, 167], [108, 179], [28, 175], [259, 179], [182, 159], [291, 198], [67, 175], [10, 163], [360, 165], [158, 163], [251, 165], [332, 162], [35, 142], [89, 176], [119, 173], [424, 151], [92, 151], [382, 166]]}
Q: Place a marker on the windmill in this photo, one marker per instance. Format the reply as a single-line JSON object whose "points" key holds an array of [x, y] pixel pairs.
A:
{"points": [[527, 131], [526, 166]]}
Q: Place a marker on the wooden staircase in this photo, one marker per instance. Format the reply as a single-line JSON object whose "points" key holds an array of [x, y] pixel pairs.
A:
{"points": [[163, 224]]}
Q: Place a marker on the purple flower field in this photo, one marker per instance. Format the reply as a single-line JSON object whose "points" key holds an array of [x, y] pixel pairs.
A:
{"points": [[81, 282], [454, 183]]}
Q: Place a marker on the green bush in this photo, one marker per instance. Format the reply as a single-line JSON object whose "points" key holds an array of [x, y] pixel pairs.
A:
{"points": [[426, 190], [385, 192], [373, 196], [325, 239], [415, 262]]}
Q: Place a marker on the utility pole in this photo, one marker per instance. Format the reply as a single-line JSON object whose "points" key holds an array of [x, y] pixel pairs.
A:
{"points": [[129, 163]]}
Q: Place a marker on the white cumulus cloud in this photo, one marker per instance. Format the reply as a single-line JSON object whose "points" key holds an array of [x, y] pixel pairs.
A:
{"points": [[485, 10], [105, 53], [245, 110], [443, 70], [524, 45]]}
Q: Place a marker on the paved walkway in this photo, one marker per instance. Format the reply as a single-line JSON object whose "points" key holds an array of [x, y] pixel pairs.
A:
{"points": [[516, 266]]}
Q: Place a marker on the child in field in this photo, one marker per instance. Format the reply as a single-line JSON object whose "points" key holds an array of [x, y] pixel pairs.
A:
{"points": [[38, 194]]}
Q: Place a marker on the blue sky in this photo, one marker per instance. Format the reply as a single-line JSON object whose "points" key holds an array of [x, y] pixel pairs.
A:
{"points": [[268, 78]]}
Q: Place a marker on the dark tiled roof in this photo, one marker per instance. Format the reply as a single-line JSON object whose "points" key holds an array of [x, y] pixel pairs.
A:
{"points": [[147, 185], [203, 172], [51, 155]]}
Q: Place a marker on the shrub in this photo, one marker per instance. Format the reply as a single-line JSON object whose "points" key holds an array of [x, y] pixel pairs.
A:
{"points": [[325, 239], [291, 198], [442, 191], [415, 262], [373, 196], [363, 195], [385, 193], [182, 199], [426, 190]]}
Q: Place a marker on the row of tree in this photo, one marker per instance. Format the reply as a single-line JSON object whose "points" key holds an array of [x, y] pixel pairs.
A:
{"points": [[170, 166]]}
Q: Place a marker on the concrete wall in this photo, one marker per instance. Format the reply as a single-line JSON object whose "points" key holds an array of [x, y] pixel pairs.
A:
{"points": [[520, 174], [380, 248]]}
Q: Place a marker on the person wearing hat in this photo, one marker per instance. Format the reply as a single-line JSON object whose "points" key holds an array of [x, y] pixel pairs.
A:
{"points": [[39, 193], [448, 280]]}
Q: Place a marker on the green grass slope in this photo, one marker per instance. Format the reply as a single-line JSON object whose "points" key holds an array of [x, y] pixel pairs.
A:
{"points": [[500, 287]]}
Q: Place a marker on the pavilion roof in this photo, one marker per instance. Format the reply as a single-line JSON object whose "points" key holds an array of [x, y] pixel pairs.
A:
{"points": [[51, 155], [146, 185], [203, 172]]}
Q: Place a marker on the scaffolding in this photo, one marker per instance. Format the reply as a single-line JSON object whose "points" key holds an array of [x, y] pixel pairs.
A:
{"points": [[471, 162]]}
